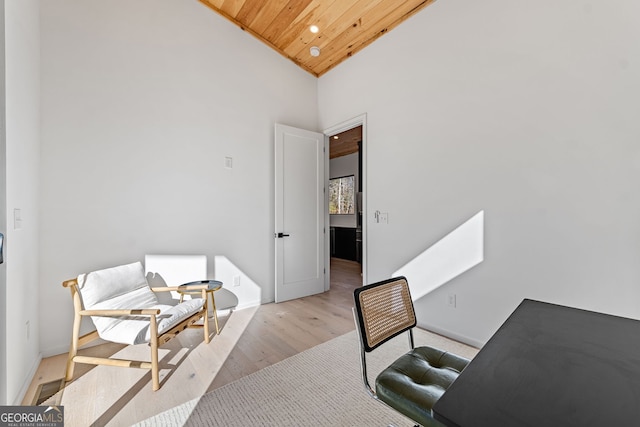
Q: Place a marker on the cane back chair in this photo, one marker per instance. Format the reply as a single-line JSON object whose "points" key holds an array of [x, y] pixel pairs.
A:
{"points": [[415, 381]]}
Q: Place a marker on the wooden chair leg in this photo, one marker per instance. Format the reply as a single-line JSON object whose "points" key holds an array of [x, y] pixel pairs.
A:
{"points": [[205, 319], [73, 348], [155, 376], [215, 313]]}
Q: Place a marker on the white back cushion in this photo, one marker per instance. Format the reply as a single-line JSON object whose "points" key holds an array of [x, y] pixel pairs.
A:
{"points": [[116, 287]]}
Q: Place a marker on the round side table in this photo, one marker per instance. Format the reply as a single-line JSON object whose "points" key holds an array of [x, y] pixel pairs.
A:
{"points": [[212, 286]]}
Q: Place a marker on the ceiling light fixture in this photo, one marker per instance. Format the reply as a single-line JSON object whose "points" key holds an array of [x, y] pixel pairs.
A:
{"points": [[314, 29], [336, 137], [314, 51]]}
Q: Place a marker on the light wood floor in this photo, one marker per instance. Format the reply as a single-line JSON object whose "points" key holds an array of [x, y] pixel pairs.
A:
{"points": [[250, 340]]}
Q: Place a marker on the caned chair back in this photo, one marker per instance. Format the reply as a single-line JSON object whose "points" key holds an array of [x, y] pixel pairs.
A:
{"points": [[383, 311]]}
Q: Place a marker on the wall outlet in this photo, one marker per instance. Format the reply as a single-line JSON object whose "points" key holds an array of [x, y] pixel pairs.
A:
{"points": [[452, 300], [236, 280]]}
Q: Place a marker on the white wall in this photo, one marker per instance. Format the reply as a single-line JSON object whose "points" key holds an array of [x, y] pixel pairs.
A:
{"points": [[525, 110], [339, 167], [142, 101], [3, 214], [22, 74]]}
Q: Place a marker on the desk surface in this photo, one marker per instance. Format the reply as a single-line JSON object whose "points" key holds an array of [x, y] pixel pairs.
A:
{"points": [[550, 365]]}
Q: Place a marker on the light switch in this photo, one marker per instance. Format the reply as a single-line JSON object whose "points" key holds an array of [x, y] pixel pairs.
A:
{"points": [[17, 219], [228, 162]]}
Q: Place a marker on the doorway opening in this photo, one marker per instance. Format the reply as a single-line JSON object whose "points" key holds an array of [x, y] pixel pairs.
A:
{"points": [[345, 201]]}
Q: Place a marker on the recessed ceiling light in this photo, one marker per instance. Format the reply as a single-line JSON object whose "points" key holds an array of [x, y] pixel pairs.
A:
{"points": [[336, 137], [314, 29], [314, 51]]}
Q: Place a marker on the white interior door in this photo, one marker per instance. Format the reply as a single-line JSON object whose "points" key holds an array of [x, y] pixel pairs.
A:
{"points": [[299, 212]]}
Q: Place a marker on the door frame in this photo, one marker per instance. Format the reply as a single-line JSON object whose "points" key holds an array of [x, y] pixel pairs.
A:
{"points": [[360, 120]]}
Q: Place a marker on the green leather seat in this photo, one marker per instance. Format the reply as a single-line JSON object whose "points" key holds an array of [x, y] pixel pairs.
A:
{"points": [[416, 380]]}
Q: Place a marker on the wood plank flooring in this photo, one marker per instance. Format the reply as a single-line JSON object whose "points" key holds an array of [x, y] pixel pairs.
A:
{"points": [[278, 331], [250, 340]]}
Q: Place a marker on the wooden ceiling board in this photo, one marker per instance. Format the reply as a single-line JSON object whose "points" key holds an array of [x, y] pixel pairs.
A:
{"points": [[339, 34], [285, 19], [350, 16], [267, 15], [216, 3], [347, 143], [307, 39], [299, 34], [363, 33], [232, 7], [248, 12], [334, 20], [346, 26]]}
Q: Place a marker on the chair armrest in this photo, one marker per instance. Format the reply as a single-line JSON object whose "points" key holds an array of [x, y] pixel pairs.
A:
{"points": [[141, 312], [70, 282]]}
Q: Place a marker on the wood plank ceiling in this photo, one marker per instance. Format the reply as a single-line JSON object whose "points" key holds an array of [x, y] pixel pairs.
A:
{"points": [[344, 26], [345, 143]]}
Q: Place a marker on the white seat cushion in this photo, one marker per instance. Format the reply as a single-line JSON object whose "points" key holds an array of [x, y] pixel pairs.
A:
{"points": [[125, 287], [135, 329]]}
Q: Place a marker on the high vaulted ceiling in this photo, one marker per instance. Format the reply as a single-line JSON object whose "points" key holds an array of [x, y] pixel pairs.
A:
{"points": [[344, 26]]}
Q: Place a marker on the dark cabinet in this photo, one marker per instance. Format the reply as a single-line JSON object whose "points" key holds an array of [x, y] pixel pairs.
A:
{"points": [[343, 243]]}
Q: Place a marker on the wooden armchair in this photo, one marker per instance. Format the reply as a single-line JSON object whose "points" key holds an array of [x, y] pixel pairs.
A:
{"points": [[124, 309]]}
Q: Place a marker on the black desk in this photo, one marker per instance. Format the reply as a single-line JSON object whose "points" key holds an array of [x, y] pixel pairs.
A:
{"points": [[550, 365]]}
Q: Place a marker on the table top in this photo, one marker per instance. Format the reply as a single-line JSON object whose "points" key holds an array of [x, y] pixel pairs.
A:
{"points": [[213, 285], [550, 365]]}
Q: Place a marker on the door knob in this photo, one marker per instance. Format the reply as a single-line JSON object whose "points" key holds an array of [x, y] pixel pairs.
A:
{"points": [[281, 235]]}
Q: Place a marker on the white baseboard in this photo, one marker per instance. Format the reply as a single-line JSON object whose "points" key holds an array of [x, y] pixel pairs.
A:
{"points": [[247, 304], [55, 350], [28, 380], [454, 336]]}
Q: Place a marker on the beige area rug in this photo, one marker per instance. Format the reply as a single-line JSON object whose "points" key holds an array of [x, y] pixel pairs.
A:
{"points": [[318, 387]]}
